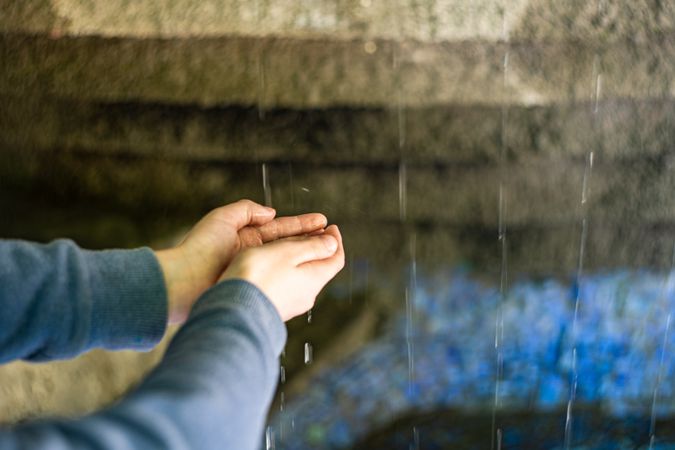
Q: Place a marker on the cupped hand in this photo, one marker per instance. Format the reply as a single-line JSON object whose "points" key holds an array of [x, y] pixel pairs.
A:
{"points": [[196, 263], [291, 272]]}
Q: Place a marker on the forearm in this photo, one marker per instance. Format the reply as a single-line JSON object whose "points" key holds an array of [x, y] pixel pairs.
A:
{"points": [[58, 300], [211, 391]]}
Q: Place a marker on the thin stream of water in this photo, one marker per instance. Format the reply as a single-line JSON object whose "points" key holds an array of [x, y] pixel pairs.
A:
{"points": [[270, 441], [267, 189], [260, 66], [261, 84], [415, 445], [409, 303], [292, 186], [308, 353], [400, 114], [402, 191], [582, 245], [664, 345], [652, 423], [577, 302], [496, 432], [585, 193]]}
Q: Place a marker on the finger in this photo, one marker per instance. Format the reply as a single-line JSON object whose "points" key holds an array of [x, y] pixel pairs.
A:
{"points": [[325, 269], [283, 227], [301, 250], [245, 212], [251, 237]]}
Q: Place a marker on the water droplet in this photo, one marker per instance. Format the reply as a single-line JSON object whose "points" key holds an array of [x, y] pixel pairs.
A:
{"points": [[309, 316], [370, 47], [282, 374], [416, 439], [270, 441], [308, 353], [304, 189]]}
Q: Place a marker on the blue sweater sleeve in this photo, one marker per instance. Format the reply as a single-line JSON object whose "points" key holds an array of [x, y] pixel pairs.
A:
{"points": [[57, 300], [211, 391]]}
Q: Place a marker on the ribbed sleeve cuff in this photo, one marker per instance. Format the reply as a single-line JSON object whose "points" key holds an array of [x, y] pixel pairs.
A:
{"points": [[129, 299], [247, 299]]}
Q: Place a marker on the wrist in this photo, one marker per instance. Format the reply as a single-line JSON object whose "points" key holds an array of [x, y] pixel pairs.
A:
{"points": [[182, 285]]}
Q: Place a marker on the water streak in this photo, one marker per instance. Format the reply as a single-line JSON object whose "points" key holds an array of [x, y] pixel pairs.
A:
{"points": [[308, 353], [597, 85], [351, 279], [261, 84], [267, 190], [400, 114], [270, 441], [659, 378], [585, 192], [415, 445], [664, 344], [292, 186], [409, 307], [402, 191], [496, 432]]}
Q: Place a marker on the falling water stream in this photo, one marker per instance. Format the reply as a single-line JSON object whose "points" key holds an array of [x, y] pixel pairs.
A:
{"points": [[410, 305], [585, 193], [664, 345], [411, 286], [496, 433]]}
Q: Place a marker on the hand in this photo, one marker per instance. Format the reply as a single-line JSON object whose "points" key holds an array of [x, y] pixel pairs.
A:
{"points": [[291, 272], [195, 264]]}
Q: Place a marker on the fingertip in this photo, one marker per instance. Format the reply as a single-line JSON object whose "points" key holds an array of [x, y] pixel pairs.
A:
{"points": [[330, 242], [334, 230], [318, 220]]}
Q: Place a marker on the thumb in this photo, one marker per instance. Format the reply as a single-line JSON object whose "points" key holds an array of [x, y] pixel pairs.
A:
{"points": [[306, 249], [246, 212]]}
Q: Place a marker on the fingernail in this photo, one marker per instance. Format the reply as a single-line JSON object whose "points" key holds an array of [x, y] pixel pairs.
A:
{"points": [[319, 221], [330, 242]]}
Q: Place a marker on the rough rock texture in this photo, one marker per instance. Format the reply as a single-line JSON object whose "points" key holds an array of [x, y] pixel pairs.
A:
{"points": [[320, 54]]}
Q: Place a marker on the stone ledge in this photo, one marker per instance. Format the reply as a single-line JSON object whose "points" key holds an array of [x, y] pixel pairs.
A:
{"points": [[620, 130], [426, 20], [383, 245], [301, 73], [536, 193]]}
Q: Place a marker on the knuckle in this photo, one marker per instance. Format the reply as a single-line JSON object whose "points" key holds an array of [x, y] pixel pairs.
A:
{"points": [[274, 231], [247, 202]]}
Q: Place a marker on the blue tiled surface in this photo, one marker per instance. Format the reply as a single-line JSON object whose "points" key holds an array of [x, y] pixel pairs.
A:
{"points": [[619, 338]]}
